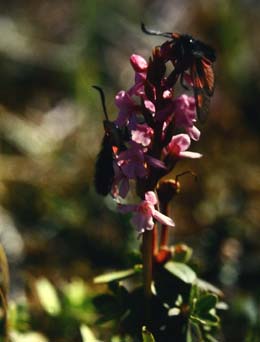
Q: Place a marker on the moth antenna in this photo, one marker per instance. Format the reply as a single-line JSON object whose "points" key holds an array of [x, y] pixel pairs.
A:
{"points": [[103, 101], [155, 33], [185, 173]]}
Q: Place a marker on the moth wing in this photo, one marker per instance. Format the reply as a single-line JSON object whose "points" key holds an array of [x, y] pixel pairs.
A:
{"points": [[205, 72], [202, 97]]}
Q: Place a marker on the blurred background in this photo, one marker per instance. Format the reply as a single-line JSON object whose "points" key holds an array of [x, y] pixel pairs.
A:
{"points": [[52, 224]]}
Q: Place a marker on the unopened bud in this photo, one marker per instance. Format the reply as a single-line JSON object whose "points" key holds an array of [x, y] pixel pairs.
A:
{"points": [[167, 189]]}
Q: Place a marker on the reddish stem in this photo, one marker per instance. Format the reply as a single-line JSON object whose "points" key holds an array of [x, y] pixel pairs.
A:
{"points": [[155, 240], [165, 229], [164, 236], [147, 271]]}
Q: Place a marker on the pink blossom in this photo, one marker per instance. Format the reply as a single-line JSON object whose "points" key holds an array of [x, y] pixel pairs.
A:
{"points": [[145, 213], [184, 110], [127, 108], [149, 105], [132, 162], [140, 66], [135, 160], [178, 146], [154, 162], [167, 94], [142, 134], [193, 132], [185, 115]]}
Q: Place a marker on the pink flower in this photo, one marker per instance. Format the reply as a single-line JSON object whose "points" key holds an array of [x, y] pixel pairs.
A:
{"points": [[184, 110], [193, 132], [145, 213], [127, 108], [134, 161], [142, 134], [140, 66], [178, 146], [185, 115], [149, 105]]}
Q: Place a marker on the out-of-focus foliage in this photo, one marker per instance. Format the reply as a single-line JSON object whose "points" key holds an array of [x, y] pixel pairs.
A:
{"points": [[56, 313], [181, 305], [52, 224]]}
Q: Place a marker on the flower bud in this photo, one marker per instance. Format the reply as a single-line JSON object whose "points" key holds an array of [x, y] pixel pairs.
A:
{"points": [[167, 189]]}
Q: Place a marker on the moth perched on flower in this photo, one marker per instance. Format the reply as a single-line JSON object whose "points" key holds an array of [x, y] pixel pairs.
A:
{"points": [[153, 129], [113, 141], [189, 54]]}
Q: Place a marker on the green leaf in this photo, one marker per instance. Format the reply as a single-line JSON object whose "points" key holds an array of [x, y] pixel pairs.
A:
{"points": [[212, 318], [205, 303], [147, 336], [48, 297], [75, 292], [209, 319], [118, 338], [207, 287], [87, 334], [27, 337], [210, 338], [118, 275], [195, 327], [222, 306], [181, 271], [189, 336]]}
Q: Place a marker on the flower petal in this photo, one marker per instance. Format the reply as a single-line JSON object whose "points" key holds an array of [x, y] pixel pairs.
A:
{"points": [[188, 154], [179, 143], [155, 162], [149, 105], [138, 63], [194, 133], [163, 219], [151, 197]]}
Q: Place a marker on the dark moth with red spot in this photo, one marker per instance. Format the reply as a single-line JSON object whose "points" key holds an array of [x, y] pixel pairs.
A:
{"points": [[112, 143]]}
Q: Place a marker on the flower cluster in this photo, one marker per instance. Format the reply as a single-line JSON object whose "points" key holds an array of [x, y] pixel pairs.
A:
{"points": [[159, 129]]}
